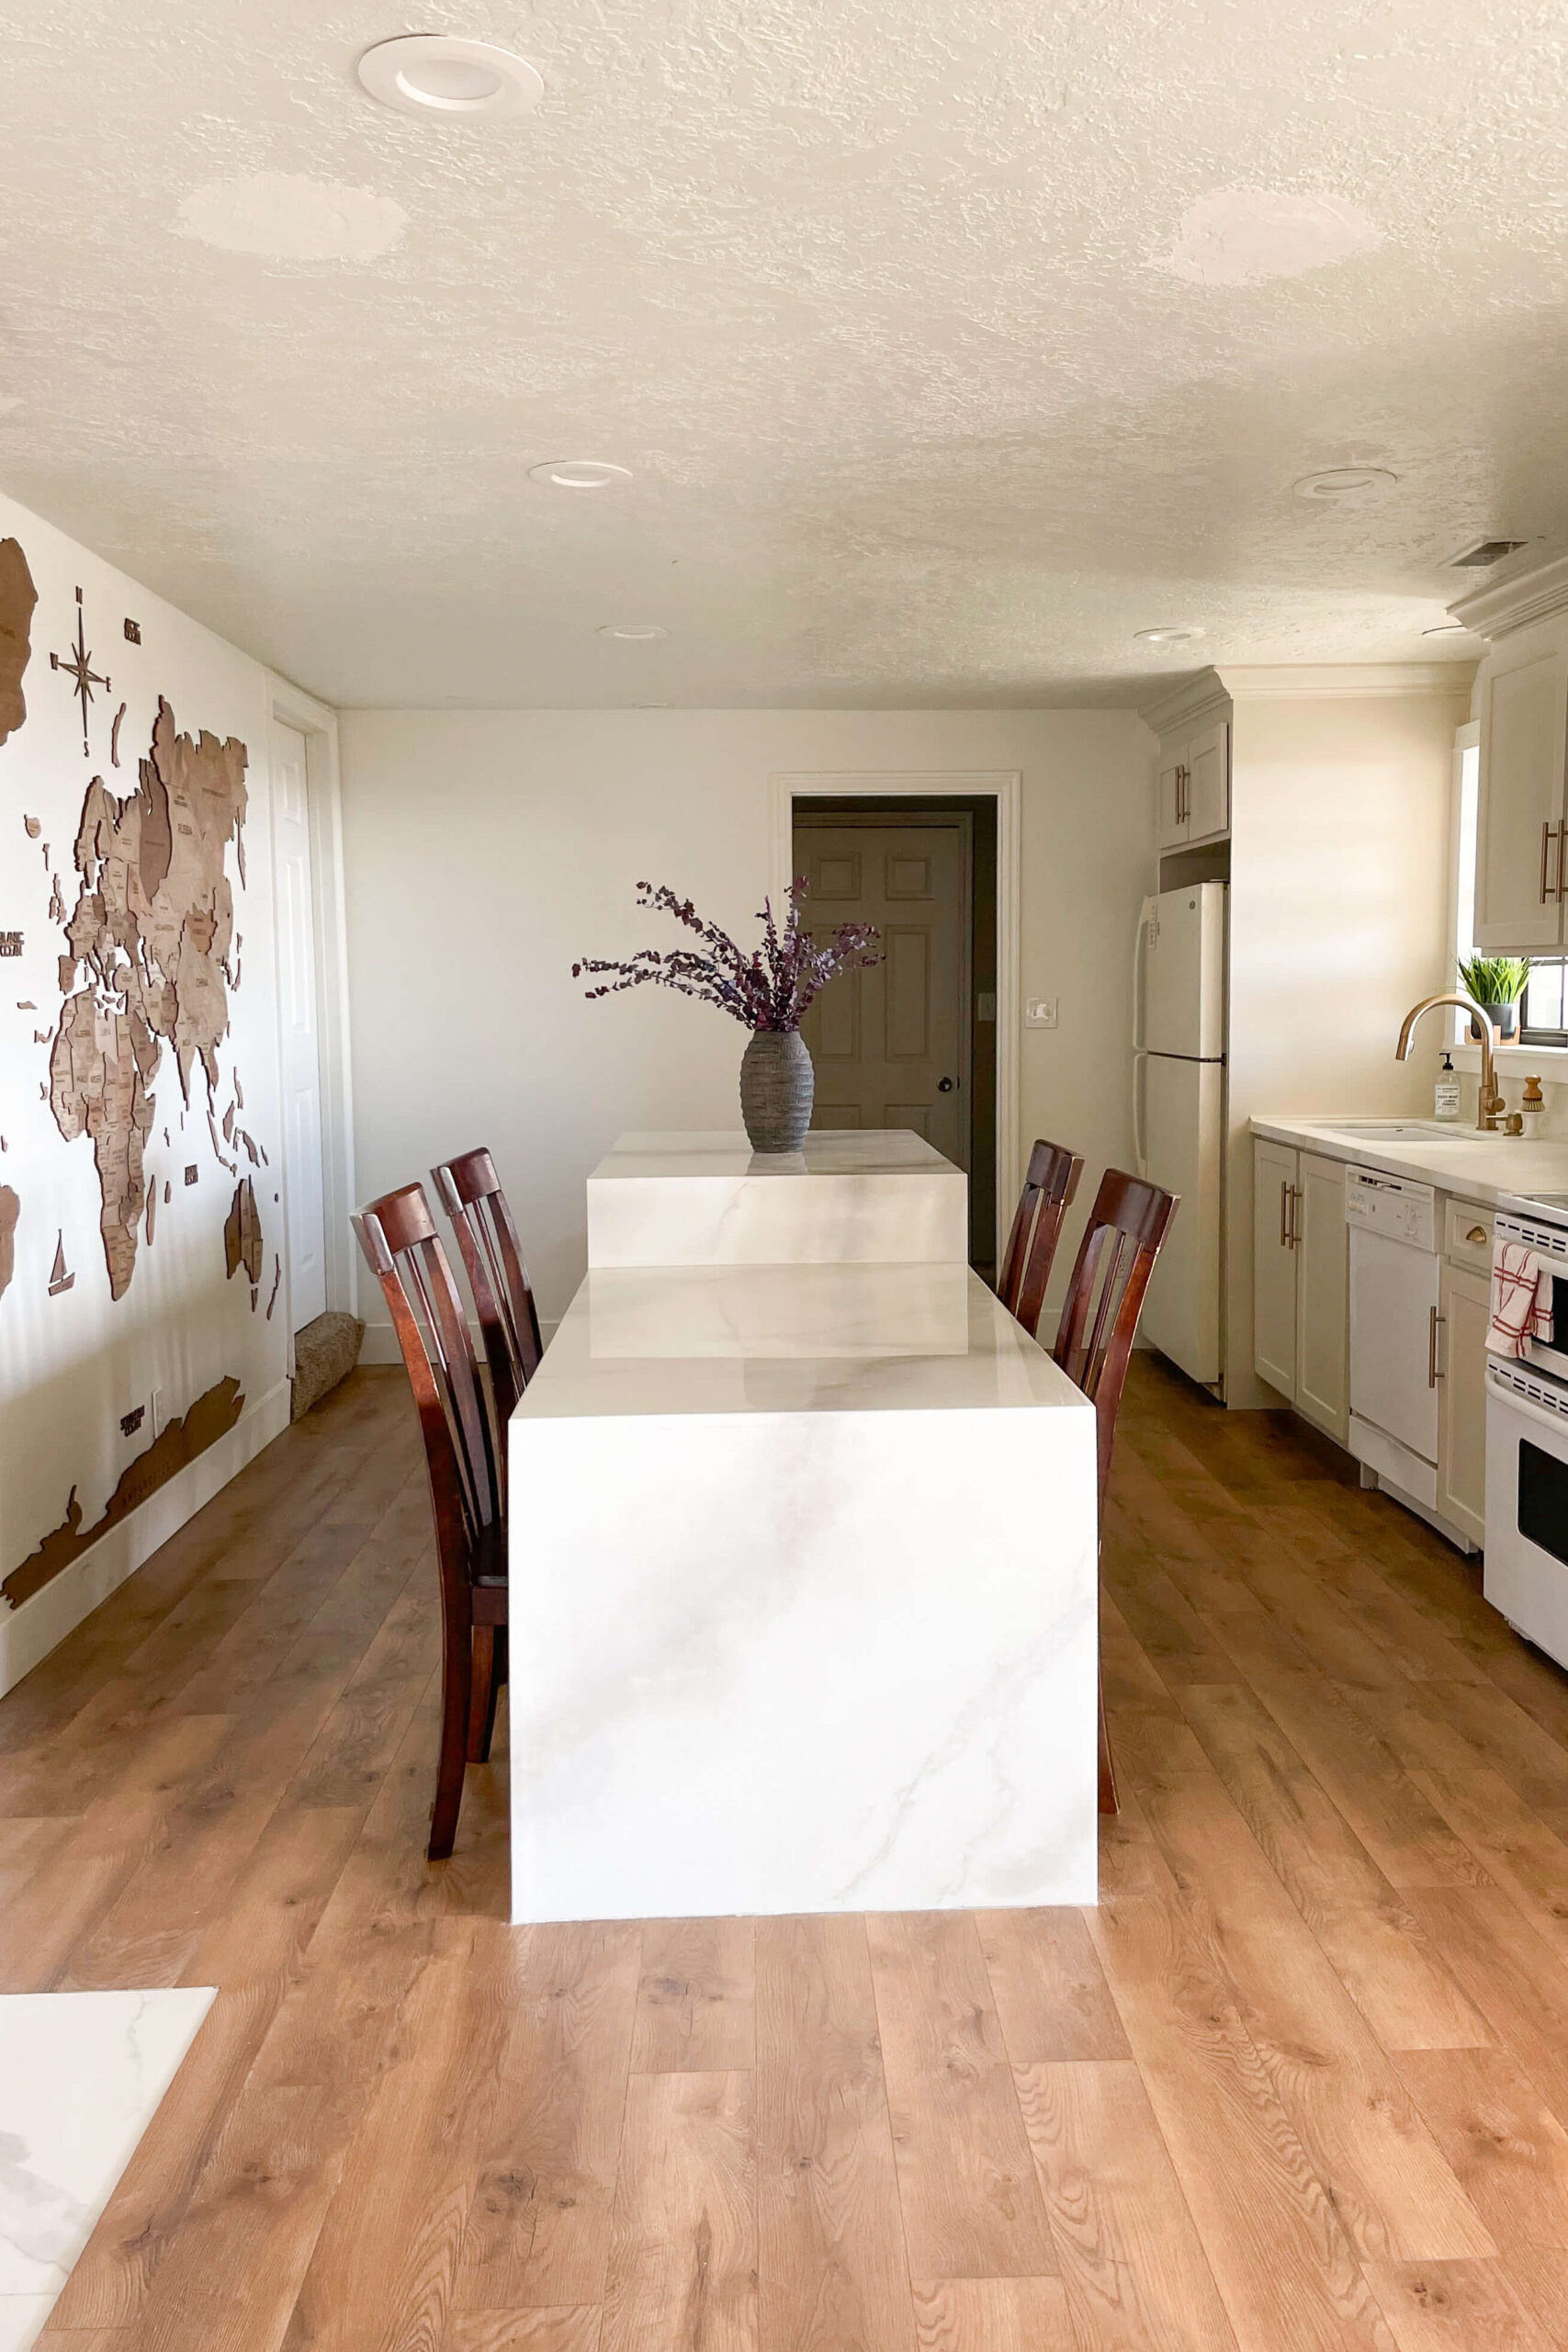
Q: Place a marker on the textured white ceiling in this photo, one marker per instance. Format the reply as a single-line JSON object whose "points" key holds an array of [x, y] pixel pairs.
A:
{"points": [[934, 331]]}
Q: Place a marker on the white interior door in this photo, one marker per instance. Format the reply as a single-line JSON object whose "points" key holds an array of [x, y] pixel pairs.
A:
{"points": [[302, 1185]]}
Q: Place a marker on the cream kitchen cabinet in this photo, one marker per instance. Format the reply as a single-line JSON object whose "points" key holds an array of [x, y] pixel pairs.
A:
{"points": [[1195, 788], [1301, 1282], [1522, 849], [1464, 1310]]}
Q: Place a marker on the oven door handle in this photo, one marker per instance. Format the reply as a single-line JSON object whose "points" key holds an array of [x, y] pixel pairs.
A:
{"points": [[1556, 1422]]}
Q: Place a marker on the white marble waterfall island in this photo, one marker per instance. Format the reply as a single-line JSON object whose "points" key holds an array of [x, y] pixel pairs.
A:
{"points": [[803, 1611]]}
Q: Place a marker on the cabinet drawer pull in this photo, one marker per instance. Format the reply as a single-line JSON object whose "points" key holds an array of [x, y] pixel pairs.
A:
{"points": [[1476, 1233]]}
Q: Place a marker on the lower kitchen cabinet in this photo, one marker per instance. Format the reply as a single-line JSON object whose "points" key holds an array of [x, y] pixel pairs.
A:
{"points": [[1323, 1297], [1302, 1316], [1300, 1292], [1465, 1309]]}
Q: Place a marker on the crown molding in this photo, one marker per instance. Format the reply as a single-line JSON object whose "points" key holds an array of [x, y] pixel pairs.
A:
{"points": [[1188, 704], [1211, 693], [1527, 590], [1336, 681]]}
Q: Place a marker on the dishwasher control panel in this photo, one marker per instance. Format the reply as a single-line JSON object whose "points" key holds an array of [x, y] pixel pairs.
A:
{"points": [[1393, 1205]]}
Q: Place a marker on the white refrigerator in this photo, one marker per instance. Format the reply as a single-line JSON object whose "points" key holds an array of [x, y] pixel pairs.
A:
{"points": [[1179, 1113]]}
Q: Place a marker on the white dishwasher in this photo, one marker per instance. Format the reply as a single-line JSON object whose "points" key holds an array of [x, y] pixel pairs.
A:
{"points": [[1394, 1330]]}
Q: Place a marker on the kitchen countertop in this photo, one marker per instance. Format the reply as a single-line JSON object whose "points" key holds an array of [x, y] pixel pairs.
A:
{"points": [[879, 1195], [1473, 1167]]}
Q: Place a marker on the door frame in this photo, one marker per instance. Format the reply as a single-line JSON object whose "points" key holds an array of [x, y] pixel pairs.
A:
{"points": [[291, 706], [1005, 786]]}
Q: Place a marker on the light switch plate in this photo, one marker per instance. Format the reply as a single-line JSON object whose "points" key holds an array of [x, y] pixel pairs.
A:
{"points": [[1040, 1012]]}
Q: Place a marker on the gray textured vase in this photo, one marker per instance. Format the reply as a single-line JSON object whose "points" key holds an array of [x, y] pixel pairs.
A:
{"points": [[777, 1083]]}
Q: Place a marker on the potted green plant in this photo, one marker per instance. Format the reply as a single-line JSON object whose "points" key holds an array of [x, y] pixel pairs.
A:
{"points": [[1497, 983]]}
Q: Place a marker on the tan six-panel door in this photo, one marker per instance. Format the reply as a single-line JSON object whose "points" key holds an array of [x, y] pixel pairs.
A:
{"points": [[891, 1042]]}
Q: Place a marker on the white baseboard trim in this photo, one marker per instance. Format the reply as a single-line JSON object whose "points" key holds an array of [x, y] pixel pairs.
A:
{"points": [[30, 1632]]}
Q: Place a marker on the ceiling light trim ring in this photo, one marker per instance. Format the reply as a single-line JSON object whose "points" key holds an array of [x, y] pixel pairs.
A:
{"points": [[579, 473], [1332, 485], [457, 79], [634, 632]]}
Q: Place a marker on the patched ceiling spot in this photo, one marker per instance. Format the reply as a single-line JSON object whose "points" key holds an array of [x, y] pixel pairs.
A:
{"points": [[1242, 236], [286, 217]]}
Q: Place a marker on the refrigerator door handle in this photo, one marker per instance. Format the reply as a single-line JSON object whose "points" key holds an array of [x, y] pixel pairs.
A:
{"points": [[1140, 960], [1140, 1071]]}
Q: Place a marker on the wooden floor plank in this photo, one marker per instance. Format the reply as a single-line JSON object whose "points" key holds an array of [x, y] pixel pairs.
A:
{"points": [[966, 2183], [538, 2222], [1502, 2139], [1457, 2307], [1050, 1991], [695, 2008], [993, 2315], [831, 2258], [683, 2269], [1134, 2271]]}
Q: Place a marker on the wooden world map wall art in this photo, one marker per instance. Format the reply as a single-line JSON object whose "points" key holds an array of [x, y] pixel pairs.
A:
{"points": [[149, 956]]}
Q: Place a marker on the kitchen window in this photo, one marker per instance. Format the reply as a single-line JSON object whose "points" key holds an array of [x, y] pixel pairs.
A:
{"points": [[1544, 1020]]}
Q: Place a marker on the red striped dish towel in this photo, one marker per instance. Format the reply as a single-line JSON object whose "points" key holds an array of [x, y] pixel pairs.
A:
{"points": [[1521, 1299]]}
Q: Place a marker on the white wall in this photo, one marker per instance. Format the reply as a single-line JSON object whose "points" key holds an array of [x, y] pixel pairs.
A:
{"points": [[485, 850], [73, 1365], [1338, 915]]}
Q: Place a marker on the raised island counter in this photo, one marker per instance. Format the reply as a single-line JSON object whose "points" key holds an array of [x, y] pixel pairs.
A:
{"points": [[804, 1573]]}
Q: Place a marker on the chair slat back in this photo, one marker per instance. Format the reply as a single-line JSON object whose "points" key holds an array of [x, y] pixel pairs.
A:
{"points": [[1126, 1229], [403, 1250], [1047, 1194], [470, 1194]]}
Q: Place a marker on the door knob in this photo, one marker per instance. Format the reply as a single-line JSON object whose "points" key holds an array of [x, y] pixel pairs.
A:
{"points": [[944, 1086]]}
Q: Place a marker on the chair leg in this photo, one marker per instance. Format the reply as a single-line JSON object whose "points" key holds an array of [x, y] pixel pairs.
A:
{"points": [[1108, 1800], [486, 1690], [457, 1692]]}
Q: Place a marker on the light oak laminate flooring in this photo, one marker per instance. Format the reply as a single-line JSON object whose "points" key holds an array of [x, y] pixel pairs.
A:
{"points": [[1300, 2081]]}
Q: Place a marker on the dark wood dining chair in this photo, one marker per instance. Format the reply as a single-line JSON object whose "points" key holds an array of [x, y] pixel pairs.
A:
{"points": [[469, 1191], [1126, 1229], [1047, 1194], [404, 1251]]}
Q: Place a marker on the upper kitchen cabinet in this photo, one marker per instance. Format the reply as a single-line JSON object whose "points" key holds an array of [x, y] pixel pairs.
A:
{"points": [[1194, 783], [1521, 856]]}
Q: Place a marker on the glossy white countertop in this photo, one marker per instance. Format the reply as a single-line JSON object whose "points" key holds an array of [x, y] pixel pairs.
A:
{"points": [[1474, 1167], [872, 1197], [666, 1341], [725, 1152]]}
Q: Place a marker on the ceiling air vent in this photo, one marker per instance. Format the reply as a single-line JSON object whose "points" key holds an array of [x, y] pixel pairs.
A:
{"points": [[1484, 554]]}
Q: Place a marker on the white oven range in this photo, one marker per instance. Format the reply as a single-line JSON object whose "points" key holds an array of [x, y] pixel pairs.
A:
{"points": [[1525, 1573]]}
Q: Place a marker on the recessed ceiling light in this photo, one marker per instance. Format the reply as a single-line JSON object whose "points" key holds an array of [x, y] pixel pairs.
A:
{"points": [[637, 631], [438, 74], [579, 473], [1165, 636], [1339, 482]]}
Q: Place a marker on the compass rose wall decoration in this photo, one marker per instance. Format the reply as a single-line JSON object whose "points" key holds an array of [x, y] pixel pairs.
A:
{"points": [[77, 665]]}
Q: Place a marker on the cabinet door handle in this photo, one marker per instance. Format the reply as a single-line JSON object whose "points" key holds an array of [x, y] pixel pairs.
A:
{"points": [[1561, 886], [1434, 1325], [1284, 1215], [1545, 854]]}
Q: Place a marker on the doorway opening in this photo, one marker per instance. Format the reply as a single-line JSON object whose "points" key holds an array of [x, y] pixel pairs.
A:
{"points": [[911, 1042]]}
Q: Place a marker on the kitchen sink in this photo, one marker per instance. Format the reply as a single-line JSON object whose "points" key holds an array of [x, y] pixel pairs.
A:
{"points": [[1424, 1130]]}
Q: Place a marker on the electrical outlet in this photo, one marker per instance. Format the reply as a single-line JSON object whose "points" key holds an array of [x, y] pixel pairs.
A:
{"points": [[1040, 1012]]}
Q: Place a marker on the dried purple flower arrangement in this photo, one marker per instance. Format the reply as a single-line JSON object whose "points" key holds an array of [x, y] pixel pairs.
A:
{"points": [[767, 991]]}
